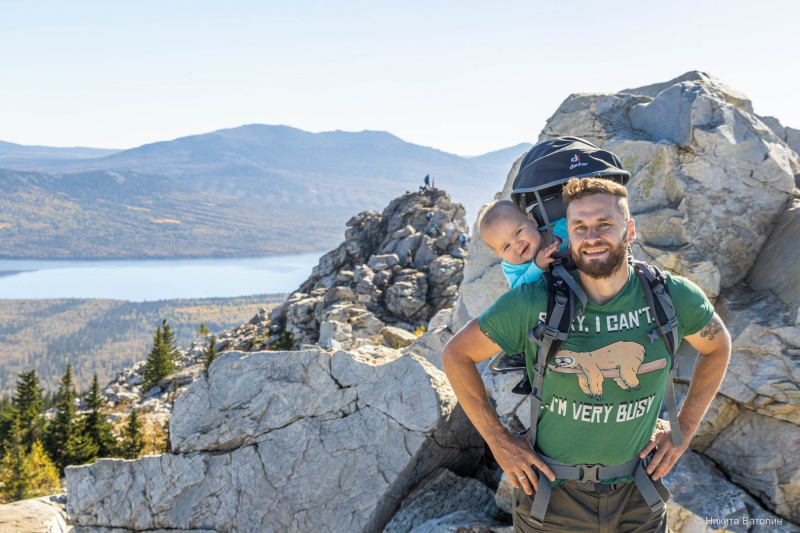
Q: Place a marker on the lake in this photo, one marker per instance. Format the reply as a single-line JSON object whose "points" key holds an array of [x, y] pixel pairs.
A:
{"points": [[150, 280]]}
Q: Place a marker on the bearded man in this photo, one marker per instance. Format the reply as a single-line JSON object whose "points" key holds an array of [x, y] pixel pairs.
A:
{"points": [[586, 418]]}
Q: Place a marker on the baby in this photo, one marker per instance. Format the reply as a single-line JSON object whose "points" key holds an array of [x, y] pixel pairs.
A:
{"points": [[513, 236]]}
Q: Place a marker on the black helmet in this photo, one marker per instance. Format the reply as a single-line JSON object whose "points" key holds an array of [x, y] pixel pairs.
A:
{"points": [[548, 166]]}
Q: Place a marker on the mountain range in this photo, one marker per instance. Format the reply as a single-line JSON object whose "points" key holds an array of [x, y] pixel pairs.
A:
{"points": [[252, 190]]}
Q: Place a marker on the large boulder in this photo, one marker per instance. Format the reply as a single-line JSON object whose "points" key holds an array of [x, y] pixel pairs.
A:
{"points": [[268, 434], [696, 152], [406, 298]]}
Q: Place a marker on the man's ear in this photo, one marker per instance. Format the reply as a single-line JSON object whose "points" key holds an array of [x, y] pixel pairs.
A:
{"points": [[630, 231]]}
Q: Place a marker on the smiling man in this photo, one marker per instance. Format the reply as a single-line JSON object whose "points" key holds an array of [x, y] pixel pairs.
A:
{"points": [[600, 396]]}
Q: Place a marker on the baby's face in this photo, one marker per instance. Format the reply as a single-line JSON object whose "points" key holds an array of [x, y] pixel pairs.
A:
{"points": [[513, 237]]}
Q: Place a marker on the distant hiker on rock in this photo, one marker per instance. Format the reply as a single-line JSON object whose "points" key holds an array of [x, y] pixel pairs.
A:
{"points": [[596, 451], [409, 259], [427, 183]]}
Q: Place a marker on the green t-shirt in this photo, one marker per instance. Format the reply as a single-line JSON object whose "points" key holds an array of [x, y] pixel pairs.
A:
{"points": [[602, 393]]}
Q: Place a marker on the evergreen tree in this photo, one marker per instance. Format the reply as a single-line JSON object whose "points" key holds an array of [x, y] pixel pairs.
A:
{"points": [[65, 439], [162, 358], [49, 400], [155, 367], [211, 352], [172, 350], [8, 415], [29, 403], [96, 426], [133, 442], [203, 331], [12, 467], [22, 475]]}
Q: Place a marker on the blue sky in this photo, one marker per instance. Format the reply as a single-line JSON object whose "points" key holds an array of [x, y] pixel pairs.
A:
{"points": [[464, 77]]}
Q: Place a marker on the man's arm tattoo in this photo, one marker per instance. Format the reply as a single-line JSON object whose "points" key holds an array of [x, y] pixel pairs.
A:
{"points": [[713, 327]]}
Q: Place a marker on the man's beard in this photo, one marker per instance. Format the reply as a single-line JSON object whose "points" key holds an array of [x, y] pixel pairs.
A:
{"points": [[617, 255]]}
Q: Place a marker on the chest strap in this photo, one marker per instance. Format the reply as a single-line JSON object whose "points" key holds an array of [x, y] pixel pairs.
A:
{"points": [[596, 474]]}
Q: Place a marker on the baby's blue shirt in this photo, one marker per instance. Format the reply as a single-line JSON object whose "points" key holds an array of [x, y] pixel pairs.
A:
{"points": [[526, 272]]}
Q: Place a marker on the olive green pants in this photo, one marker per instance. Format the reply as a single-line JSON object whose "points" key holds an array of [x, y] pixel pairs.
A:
{"points": [[575, 508]]}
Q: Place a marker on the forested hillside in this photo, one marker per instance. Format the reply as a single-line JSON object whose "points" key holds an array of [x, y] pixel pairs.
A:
{"points": [[103, 336], [99, 214]]}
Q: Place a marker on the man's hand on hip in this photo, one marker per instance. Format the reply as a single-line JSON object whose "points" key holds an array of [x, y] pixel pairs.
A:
{"points": [[514, 455], [666, 454]]}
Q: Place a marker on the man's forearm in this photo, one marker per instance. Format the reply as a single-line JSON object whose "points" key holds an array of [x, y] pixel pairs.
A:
{"points": [[471, 393], [707, 375]]}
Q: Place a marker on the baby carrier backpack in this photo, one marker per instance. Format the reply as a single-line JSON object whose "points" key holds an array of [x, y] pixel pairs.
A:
{"points": [[537, 189]]}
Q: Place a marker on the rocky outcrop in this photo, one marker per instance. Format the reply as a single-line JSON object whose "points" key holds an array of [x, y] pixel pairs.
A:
{"points": [[397, 268], [286, 441]]}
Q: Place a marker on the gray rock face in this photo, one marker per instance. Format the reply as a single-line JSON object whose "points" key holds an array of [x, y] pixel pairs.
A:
{"points": [[406, 298], [778, 266], [769, 472], [399, 338], [730, 94], [764, 373], [462, 522], [722, 505], [268, 433], [440, 494]]}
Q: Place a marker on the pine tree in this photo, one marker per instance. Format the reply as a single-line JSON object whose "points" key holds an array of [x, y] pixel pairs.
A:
{"points": [[203, 331], [12, 467], [8, 415], [172, 350], [24, 476], [29, 403], [133, 442], [96, 426], [211, 352], [65, 439], [162, 358]]}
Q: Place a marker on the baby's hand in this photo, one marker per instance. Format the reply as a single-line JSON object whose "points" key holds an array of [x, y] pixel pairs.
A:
{"points": [[545, 256]]}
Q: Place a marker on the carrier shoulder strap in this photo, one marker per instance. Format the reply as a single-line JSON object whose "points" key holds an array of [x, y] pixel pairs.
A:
{"points": [[654, 285], [562, 309]]}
